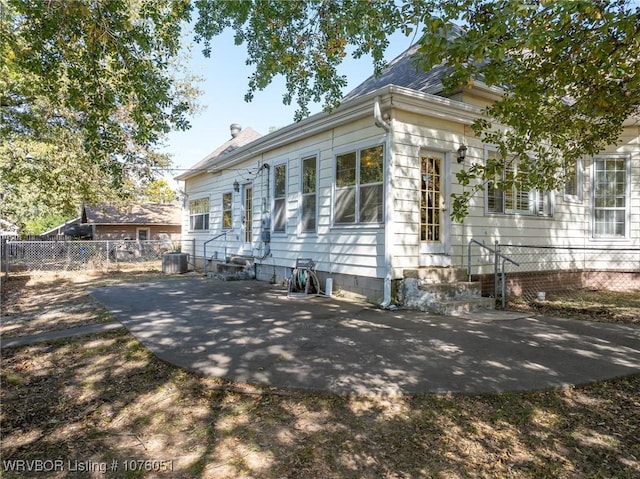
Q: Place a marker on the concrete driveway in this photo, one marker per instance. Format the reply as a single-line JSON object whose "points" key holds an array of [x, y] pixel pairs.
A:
{"points": [[250, 332]]}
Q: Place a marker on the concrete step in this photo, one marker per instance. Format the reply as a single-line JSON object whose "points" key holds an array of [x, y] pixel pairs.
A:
{"points": [[431, 275], [240, 260], [243, 274], [240, 275], [447, 291], [230, 268], [455, 296], [458, 307], [238, 269]]}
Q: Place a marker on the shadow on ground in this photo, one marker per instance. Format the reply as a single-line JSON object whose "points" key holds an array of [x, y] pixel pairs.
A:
{"points": [[250, 332], [106, 401]]}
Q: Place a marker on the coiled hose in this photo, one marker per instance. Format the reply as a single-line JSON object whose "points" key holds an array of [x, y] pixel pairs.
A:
{"points": [[304, 280]]}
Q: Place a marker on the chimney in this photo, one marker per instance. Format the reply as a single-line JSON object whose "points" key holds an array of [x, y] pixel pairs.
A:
{"points": [[235, 129]]}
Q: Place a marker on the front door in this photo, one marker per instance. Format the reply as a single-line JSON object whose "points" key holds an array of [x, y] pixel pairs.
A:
{"points": [[434, 214], [247, 218]]}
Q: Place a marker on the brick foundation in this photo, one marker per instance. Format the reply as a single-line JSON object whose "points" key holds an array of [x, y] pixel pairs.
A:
{"points": [[528, 284]]}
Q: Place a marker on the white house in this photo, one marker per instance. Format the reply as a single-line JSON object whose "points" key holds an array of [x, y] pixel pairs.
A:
{"points": [[365, 192]]}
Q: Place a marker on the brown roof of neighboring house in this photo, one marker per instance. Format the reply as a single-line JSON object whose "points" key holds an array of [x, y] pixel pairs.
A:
{"points": [[144, 214]]}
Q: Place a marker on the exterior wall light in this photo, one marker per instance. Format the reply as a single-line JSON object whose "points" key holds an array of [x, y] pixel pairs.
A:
{"points": [[236, 186], [462, 153]]}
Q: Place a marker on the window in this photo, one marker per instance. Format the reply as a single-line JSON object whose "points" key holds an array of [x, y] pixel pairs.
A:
{"points": [[227, 211], [143, 234], [573, 183], [610, 197], [359, 188], [514, 200], [247, 213], [309, 200], [199, 214], [280, 198], [430, 199]]}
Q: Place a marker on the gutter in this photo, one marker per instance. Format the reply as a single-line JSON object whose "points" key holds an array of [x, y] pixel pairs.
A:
{"points": [[388, 204], [404, 99]]}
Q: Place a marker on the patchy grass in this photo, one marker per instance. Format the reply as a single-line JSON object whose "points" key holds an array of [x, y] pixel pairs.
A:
{"points": [[106, 398], [105, 401], [36, 302], [605, 306]]}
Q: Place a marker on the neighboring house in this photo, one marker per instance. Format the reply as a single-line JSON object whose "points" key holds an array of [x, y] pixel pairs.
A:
{"points": [[60, 229], [149, 221], [365, 190], [7, 228]]}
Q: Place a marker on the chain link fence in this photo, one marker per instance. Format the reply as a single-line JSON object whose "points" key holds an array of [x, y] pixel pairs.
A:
{"points": [[600, 282], [549, 273], [71, 255]]}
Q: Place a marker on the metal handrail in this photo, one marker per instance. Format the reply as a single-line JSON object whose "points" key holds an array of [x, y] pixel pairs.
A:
{"points": [[497, 256], [206, 262]]}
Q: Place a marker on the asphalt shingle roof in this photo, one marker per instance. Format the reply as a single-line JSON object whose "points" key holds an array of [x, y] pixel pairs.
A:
{"points": [[246, 136], [402, 71], [147, 214]]}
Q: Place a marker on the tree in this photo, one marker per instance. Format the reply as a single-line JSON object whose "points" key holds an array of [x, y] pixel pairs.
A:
{"points": [[159, 191], [571, 69], [43, 222], [87, 92]]}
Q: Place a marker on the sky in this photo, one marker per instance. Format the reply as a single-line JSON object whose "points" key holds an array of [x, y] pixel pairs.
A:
{"points": [[225, 84]]}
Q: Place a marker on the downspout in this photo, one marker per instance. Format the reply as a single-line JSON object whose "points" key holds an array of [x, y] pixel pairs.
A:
{"points": [[388, 204]]}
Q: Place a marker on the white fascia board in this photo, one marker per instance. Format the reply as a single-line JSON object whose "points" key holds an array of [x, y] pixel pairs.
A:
{"points": [[186, 175], [189, 174], [390, 96], [357, 108], [493, 93], [436, 106]]}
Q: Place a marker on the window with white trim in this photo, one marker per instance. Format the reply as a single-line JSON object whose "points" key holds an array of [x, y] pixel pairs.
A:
{"points": [[199, 214], [359, 186], [309, 194], [514, 200], [610, 197], [573, 183], [227, 210], [280, 198], [143, 234]]}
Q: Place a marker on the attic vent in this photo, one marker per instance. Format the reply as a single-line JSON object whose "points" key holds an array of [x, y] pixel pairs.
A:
{"points": [[235, 129]]}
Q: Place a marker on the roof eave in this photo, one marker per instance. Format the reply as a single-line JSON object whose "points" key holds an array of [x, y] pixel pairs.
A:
{"points": [[49, 231], [490, 92], [348, 111], [434, 105], [133, 224], [398, 97]]}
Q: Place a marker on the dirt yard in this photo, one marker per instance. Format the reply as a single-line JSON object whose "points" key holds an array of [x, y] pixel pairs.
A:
{"points": [[104, 406], [604, 306]]}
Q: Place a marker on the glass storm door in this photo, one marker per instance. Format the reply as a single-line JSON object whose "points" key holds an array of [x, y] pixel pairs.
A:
{"points": [[434, 218], [247, 216]]}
